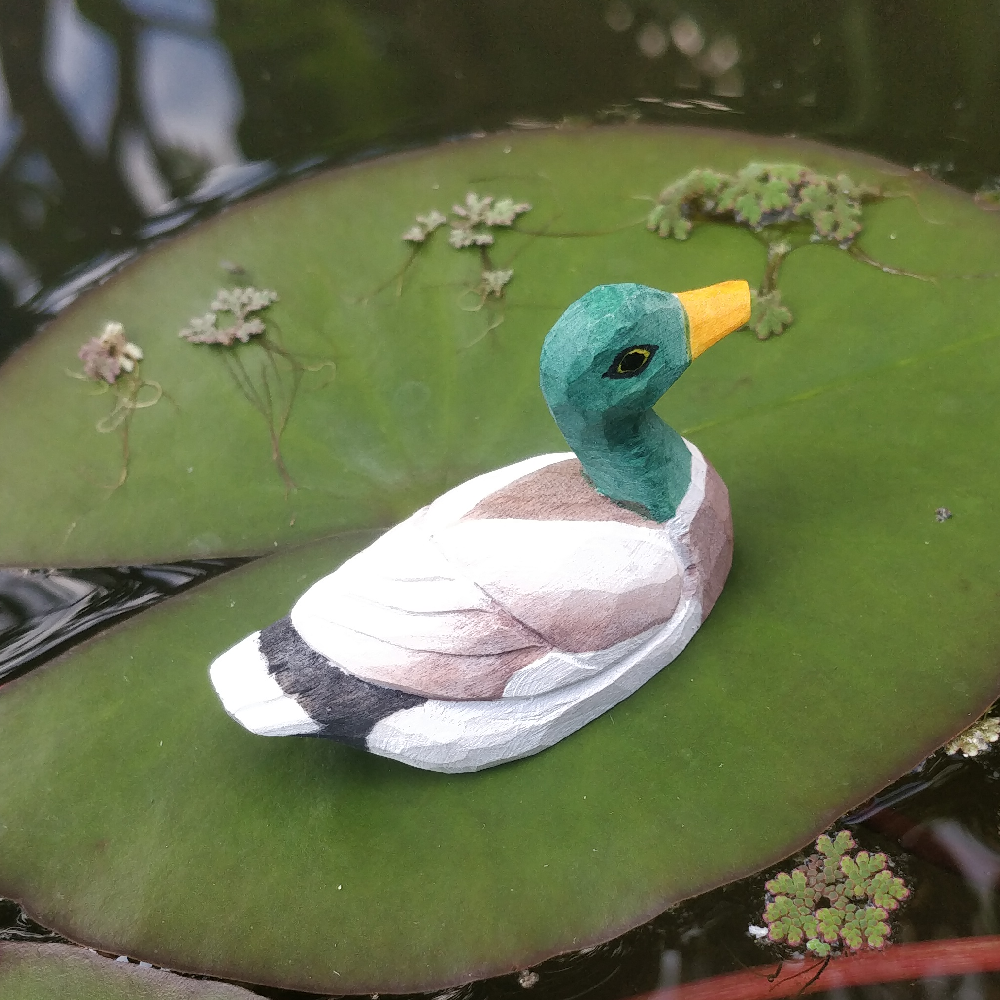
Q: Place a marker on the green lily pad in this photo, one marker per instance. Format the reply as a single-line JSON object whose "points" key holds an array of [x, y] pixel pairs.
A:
{"points": [[855, 635], [428, 392], [45, 971]]}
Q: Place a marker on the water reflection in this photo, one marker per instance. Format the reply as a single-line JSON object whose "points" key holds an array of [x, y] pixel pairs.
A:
{"points": [[44, 611], [81, 68], [191, 99], [108, 115], [16, 925], [118, 118], [195, 15]]}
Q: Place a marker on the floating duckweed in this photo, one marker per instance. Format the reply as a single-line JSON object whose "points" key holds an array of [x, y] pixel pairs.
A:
{"points": [[671, 215], [768, 315], [240, 302], [980, 736], [790, 920], [765, 195], [470, 226], [107, 356], [858, 889]]}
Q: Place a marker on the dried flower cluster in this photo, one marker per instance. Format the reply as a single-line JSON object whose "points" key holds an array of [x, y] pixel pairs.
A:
{"points": [[470, 226], [425, 225], [980, 736], [240, 302], [471, 222], [859, 892], [107, 356], [493, 282]]}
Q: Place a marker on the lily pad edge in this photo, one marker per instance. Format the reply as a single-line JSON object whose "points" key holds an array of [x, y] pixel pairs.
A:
{"points": [[476, 973]]}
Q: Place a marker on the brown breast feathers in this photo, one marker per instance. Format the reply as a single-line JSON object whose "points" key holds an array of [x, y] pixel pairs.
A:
{"points": [[559, 492]]}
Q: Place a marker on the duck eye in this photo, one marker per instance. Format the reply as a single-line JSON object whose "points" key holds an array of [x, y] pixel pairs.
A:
{"points": [[631, 361]]}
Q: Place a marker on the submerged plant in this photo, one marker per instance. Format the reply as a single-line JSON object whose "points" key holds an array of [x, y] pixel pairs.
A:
{"points": [[834, 900], [980, 736], [471, 225], [762, 196]]}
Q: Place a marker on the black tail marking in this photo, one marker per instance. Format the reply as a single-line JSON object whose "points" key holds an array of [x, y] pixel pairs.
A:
{"points": [[344, 705]]}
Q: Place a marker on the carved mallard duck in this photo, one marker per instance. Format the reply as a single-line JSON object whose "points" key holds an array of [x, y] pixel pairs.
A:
{"points": [[522, 604]]}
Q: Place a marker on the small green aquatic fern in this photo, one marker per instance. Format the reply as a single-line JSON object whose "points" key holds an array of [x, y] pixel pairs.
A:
{"points": [[768, 315], [765, 196], [859, 893], [761, 195]]}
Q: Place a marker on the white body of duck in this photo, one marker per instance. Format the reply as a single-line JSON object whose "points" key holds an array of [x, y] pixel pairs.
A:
{"points": [[502, 617]]}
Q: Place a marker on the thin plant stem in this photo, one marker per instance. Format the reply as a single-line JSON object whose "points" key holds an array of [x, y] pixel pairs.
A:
{"points": [[913, 960]]}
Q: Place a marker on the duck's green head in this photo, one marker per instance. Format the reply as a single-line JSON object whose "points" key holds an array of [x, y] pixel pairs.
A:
{"points": [[608, 359], [619, 348]]}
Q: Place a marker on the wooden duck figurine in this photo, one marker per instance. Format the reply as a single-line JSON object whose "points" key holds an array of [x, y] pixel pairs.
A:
{"points": [[519, 606]]}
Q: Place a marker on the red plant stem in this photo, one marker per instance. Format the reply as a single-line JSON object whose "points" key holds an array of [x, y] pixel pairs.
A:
{"points": [[918, 960]]}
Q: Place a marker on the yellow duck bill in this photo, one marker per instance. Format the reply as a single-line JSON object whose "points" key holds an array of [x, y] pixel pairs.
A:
{"points": [[714, 312]]}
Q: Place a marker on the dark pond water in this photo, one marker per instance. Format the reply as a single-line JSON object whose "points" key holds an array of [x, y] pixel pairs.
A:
{"points": [[122, 121]]}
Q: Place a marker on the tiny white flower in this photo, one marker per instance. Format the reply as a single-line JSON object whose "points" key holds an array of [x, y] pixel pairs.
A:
{"points": [[112, 332], [476, 207], [494, 281], [460, 238], [432, 220], [107, 356], [505, 211]]}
